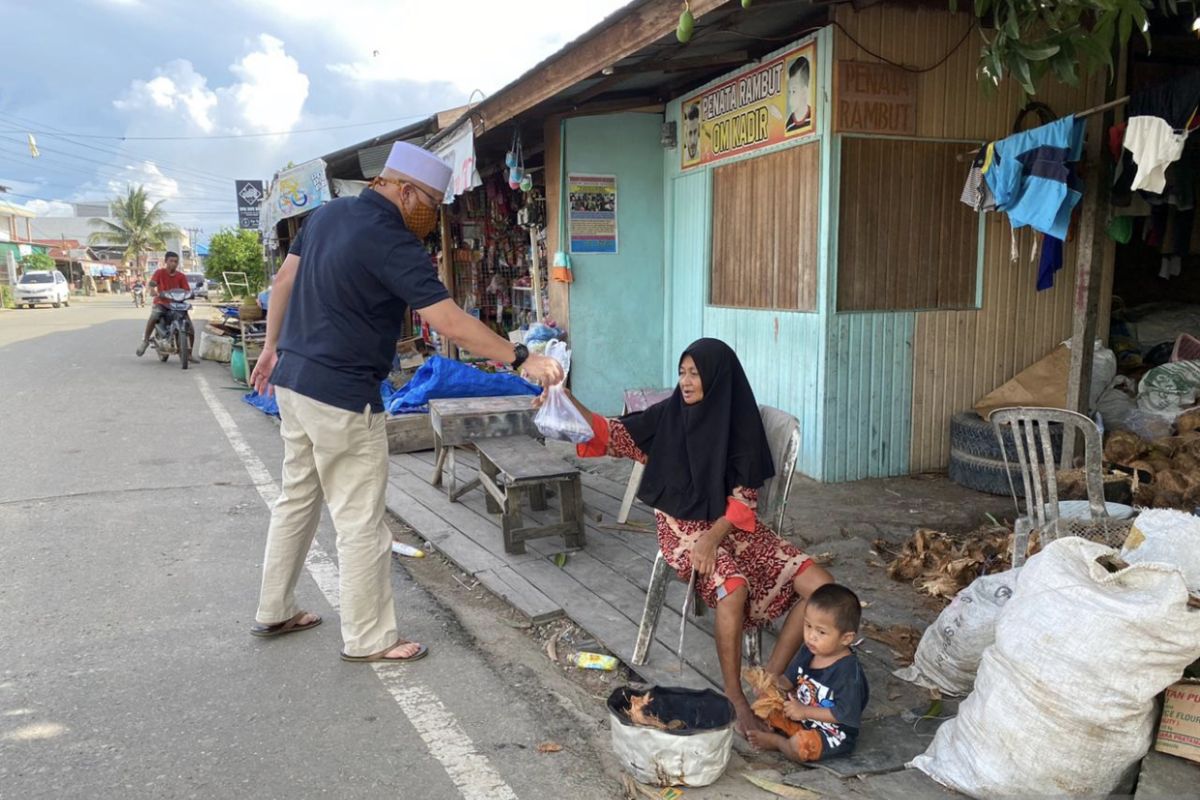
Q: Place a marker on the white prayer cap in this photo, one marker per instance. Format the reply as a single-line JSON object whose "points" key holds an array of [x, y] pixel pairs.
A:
{"points": [[421, 166]]}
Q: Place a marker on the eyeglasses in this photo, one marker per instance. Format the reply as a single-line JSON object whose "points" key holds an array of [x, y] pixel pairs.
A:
{"points": [[434, 202]]}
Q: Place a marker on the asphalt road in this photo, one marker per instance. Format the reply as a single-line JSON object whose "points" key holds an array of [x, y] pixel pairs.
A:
{"points": [[131, 537]]}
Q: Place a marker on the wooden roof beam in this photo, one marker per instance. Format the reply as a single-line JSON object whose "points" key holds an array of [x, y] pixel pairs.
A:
{"points": [[639, 27]]}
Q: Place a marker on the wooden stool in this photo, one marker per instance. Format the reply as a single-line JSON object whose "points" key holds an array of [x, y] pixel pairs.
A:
{"points": [[514, 466]]}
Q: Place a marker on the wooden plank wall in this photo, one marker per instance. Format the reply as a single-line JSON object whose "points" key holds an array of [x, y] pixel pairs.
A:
{"points": [[905, 241], [959, 356], [765, 214]]}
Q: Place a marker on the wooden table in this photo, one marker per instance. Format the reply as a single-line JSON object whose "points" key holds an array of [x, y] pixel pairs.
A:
{"points": [[638, 400], [460, 421]]}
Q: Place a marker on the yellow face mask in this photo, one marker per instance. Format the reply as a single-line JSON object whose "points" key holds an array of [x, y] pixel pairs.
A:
{"points": [[421, 220]]}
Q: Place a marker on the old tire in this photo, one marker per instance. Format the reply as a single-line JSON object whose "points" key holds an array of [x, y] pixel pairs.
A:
{"points": [[975, 458]]}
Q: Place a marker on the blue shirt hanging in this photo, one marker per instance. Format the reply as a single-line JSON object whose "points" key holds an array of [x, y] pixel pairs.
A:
{"points": [[1031, 177]]}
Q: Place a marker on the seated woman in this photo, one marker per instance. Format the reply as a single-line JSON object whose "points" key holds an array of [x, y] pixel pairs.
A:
{"points": [[706, 456]]}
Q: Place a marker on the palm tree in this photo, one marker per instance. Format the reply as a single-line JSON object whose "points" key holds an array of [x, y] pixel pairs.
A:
{"points": [[140, 227]]}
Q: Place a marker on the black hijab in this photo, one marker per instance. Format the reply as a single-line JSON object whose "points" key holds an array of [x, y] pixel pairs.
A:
{"points": [[699, 453]]}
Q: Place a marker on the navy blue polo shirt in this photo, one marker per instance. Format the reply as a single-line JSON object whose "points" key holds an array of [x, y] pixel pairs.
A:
{"points": [[360, 270]]}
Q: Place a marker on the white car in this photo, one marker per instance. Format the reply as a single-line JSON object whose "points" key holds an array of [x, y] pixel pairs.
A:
{"points": [[199, 284], [38, 287]]}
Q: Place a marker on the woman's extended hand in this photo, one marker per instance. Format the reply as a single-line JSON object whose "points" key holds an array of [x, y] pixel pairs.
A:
{"points": [[704, 555], [540, 400]]}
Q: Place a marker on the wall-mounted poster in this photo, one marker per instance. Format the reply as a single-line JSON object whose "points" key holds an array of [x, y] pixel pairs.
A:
{"points": [[764, 104], [592, 213]]}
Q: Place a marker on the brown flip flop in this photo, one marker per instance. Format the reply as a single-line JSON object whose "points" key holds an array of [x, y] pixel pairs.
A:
{"points": [[287, 626], [379, 657]]}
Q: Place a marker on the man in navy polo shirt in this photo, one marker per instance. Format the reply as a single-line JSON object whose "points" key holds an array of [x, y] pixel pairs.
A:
{"points": [[337, 307]]}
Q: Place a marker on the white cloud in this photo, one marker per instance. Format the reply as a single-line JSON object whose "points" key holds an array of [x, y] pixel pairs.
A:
{"points": [[49, 208], [269, 93], [176, 87], [469, 44], [271, 90]]}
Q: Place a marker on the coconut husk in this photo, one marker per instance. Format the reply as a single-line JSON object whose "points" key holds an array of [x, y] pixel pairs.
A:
{"points": [[638, 715], [1123, 447], [1167, 498], [1185, 462], [1142, 466], [1172, 481], [940, 564], [1143, 495], [1188, 421], [1191, 498], [768, 696], [1159, 464]]}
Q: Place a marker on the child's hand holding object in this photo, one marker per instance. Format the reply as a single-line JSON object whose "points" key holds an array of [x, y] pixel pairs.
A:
{"points": [[795, 710]]}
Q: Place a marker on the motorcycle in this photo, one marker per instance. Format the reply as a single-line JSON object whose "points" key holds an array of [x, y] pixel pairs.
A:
{"points": [[139, 295], [173, 330]]}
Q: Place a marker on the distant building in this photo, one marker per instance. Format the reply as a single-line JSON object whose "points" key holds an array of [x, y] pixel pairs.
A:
{"points": [[79, 227]]}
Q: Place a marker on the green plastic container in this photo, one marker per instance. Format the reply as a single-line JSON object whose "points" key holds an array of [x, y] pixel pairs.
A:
{"points": [[237, 364]]}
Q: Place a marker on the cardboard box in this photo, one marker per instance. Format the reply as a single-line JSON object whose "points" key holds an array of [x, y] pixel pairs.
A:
{"points": [[1179, 730]]}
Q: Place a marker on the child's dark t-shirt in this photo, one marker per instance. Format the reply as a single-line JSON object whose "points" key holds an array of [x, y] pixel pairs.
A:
{"points": [[841, 687]]}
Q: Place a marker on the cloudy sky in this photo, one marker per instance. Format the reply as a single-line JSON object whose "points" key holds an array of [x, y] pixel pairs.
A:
{"points": [[184, 97]]}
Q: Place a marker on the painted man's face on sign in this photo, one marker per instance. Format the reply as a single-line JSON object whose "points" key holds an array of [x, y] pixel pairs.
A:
{"points": [[691, 132]]}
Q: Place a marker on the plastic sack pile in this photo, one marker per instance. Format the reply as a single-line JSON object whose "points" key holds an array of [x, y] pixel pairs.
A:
{"points": [[558, 418], [1063, 701], [440, 378]]}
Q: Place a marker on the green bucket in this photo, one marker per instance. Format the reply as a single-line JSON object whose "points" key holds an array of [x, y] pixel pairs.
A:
{"points": [[237, 364]]}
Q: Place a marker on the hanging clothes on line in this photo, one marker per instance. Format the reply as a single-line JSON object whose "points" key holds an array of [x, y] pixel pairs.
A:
{"points": [[1032, 178]]}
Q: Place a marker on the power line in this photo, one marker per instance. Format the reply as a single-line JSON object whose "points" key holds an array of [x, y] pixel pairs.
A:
{"points": [[127, 154], [108, 166], [217, 136]]}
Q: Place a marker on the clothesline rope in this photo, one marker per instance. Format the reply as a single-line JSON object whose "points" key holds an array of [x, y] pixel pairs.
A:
{"points": [[1078, 115]]}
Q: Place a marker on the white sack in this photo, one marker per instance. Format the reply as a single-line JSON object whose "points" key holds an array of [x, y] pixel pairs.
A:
{"points": [[1166, 537], [950, 650], [1064, 700]]}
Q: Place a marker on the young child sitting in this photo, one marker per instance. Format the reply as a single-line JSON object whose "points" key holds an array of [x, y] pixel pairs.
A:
{"points": [[826, 687]]}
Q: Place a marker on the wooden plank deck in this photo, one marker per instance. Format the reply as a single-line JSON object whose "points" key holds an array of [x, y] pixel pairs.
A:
{"points": [[602, 587]]}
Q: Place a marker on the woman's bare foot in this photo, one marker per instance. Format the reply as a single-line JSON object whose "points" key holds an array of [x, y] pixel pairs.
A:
{"points": [[747, 722]]}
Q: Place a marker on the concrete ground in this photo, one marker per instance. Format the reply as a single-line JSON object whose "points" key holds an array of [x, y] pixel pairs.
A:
{"points": [[133, 509], [132, 540]]}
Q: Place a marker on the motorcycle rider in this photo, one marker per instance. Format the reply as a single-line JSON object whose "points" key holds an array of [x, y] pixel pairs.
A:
{"points": [[164, 279], [138, 291]]}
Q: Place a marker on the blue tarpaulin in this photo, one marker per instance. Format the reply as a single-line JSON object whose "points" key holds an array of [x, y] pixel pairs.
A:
{"points": [[440, 378], [265, 404]]}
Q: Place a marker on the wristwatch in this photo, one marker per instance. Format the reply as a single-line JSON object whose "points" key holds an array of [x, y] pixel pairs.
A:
{"points": [[521, 352]]}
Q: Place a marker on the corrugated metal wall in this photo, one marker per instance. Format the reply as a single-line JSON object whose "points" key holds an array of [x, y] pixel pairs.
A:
{"points": [[686, 285], [957, 356], [867, 393], [781, 354]]}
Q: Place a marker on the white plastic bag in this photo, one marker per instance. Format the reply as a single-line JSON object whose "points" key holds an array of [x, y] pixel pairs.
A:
{"points": [[950, 650], [1064, 699], [1166, 537], [558, 418]]}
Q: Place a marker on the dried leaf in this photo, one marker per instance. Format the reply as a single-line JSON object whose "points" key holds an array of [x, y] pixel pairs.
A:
{"points": [[902, 639], [560, 560], [549, 747]]}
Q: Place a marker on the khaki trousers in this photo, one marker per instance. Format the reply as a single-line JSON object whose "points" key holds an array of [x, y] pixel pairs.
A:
{"points": [[339, 456]]}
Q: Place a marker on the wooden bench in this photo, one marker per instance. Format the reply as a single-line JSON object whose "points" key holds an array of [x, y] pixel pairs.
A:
{"points": [[461, 422], [515, 466]]}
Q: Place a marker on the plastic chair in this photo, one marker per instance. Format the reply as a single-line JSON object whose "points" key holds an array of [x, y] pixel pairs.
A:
{"points": [[1034, 450], [783, 437]]}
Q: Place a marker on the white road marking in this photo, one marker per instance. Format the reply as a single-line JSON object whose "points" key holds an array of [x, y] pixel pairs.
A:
{"points": [[469, 770], [320, 565]]}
